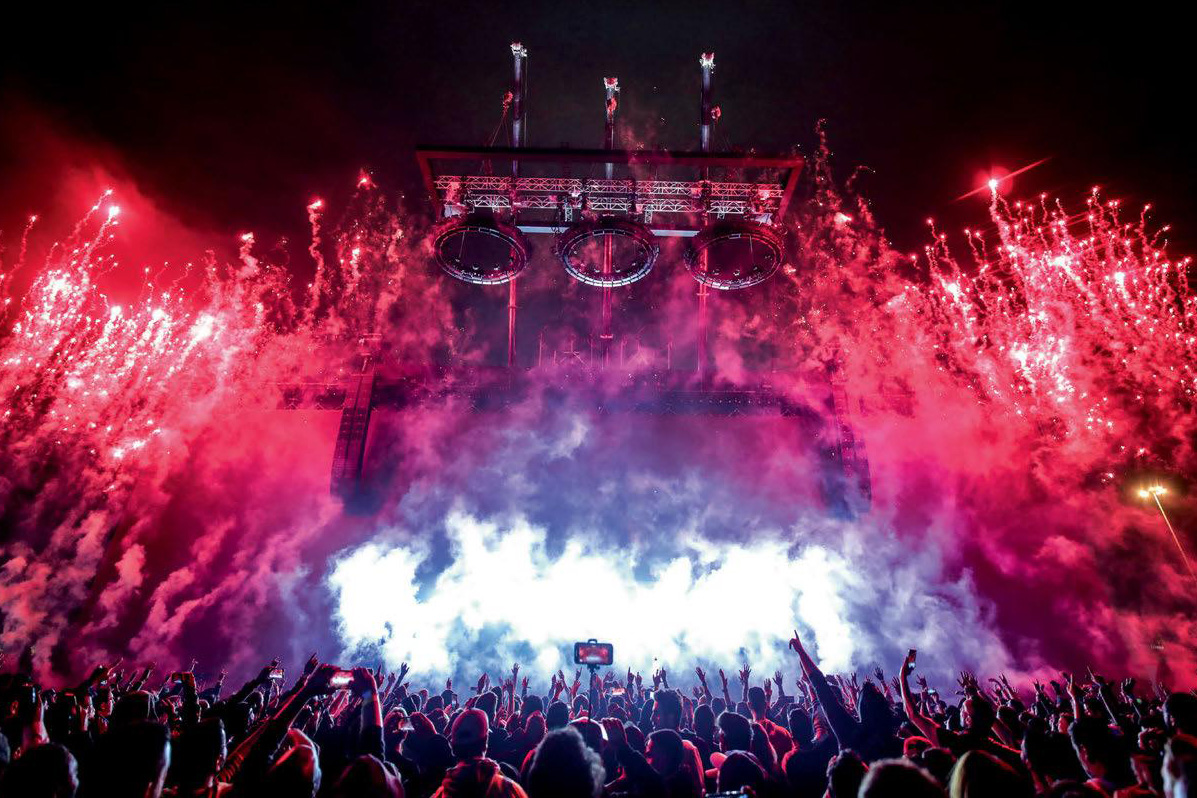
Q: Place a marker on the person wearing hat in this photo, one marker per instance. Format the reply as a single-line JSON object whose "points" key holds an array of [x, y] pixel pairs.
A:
{"points": [[475, 775]]}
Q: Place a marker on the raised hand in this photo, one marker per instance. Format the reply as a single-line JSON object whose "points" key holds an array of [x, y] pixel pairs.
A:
{"points": [[363, 681], [778, 680], [515, 672], [908, 664], [880, 674], [1128, 688], [922, 681], [723, 678], [264, 674], [702, 677], [310, 666], [745, 672], [319, 682], [524, 684], [796, 642], [897, 685], [617, 738], [403, 669], [768, 691], [448, 682]]}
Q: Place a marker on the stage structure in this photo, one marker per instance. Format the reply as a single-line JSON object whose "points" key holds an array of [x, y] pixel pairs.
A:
{"points": [[604, 212]]}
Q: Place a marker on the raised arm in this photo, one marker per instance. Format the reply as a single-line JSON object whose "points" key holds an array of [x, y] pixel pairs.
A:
{"points": [[726, 695], [928, 727], [843, 724]]}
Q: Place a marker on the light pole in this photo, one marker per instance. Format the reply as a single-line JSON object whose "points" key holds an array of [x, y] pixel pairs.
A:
{"points": [[1155, 492]]}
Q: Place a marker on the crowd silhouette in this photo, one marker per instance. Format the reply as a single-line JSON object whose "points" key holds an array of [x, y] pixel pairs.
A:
{"points": [[365, 732]]}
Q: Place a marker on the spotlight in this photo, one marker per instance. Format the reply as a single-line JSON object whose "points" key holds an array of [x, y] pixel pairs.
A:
{"points": [[481, 250], [609, 252], [734, 254]]}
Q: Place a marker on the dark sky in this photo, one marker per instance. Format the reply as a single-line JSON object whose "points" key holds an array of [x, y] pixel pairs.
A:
{"points": [[236, 114]]}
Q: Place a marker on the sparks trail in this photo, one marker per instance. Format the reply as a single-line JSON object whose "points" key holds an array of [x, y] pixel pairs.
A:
{"points": [[1088, 333], [101, 400], [1066, 351]]}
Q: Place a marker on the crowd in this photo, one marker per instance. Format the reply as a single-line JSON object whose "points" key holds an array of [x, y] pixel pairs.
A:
{"points": [[360, 732]]}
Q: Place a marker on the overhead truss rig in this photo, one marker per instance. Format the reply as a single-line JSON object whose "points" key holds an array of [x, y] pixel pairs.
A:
{"points": [[605, 211]]}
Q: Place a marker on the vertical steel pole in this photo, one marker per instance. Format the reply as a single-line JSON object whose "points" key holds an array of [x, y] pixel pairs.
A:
{"points": [[705, 122], [611, 88], [519, 55]]}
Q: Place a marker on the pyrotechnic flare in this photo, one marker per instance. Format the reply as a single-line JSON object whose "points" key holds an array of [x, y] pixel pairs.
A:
{"points": [[142, 497]]}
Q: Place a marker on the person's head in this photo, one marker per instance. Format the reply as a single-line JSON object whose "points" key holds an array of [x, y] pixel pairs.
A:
{"points": [[468, 735], [296, 773], [534, 703], [977, 714], [1180, 767], [592, 733], [667, 709], [874, 708], [1180, 713], [439, 720], [44, 771], [735, 732], [581, 706], [369, 777], [563, 764], [488, 704], [1100, 753], [913, 747], [558, 715], [898, 778], [704, 721], [938, 762], [134, 707], [740, 770], [801, 728], [198, 754], [845, 772], [635, 737], [982, 775], [1049, 755], [132, 761], [534, 728], [664, 751], [757, 703], [237, 720]]}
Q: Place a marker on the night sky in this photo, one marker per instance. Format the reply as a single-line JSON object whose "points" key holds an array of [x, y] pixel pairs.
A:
{"points": [[235, 115]]}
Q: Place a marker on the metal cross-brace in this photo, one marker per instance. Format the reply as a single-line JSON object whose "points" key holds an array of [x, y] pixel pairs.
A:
{"points": [[457, 185], [350, 450]]}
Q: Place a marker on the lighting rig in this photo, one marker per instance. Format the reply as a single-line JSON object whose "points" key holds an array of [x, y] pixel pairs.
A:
{"points": [[605, 230]]}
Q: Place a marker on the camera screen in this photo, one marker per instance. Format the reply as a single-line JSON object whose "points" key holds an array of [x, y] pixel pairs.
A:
{"points": [[593, 653]]}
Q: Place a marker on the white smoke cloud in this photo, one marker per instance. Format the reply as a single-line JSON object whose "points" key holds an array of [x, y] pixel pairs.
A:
{"points": [[504, 597]]}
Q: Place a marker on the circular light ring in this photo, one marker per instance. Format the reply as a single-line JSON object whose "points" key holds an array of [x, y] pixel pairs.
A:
{"points": [[763, 245], [624, 271], [453, 242]]}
